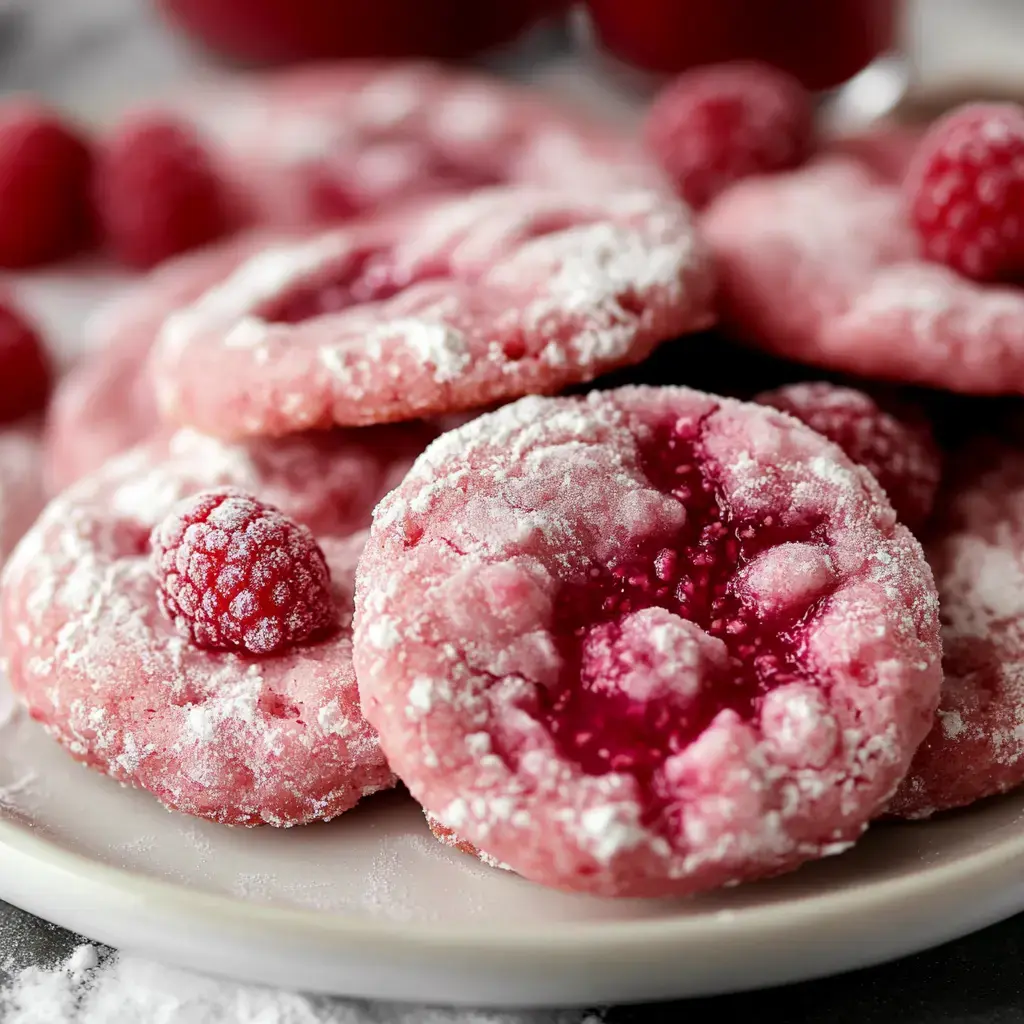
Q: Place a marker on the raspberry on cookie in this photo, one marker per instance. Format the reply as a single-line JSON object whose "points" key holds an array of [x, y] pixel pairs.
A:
{"points": [[447, 305], [647, 642], [965, 191], [260, 733], [823, 265]]}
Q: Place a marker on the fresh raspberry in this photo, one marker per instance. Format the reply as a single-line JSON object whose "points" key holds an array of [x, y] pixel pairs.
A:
{"points": [[899, 450], [235, 572], [157, 192], [25, 375], [45, 171], [715, 125], [965, 190]]}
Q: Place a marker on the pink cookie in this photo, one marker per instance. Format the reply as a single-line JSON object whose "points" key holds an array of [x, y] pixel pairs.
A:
{"points": [[887, 149], [895, 444], [447, 837], [21, 484], [278, 740], [106, 404], [821, 266], [446, 305], [976, 747], [316, 145], [647, 642]]}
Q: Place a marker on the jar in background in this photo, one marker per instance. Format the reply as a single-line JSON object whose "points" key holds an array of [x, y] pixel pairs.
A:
{"points": [[824, 43], [287, 31]]}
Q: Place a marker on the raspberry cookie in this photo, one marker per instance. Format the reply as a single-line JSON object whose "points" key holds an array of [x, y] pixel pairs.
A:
{"points": [[447, 837], [821, 265], [976, 747], [448, 305], [317, 145], [887, 149], [228, 736], [21, 484], [899, 450], [647, 642], [106, 404]]}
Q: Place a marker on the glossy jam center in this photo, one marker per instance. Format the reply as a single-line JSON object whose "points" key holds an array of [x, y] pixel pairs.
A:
{"points": [[593, 712]]}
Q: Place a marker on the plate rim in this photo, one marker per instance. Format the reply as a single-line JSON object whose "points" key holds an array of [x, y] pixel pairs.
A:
{"points": [[989, 865]]}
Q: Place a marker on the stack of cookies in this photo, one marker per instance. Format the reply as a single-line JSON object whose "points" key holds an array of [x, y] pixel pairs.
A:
{"points": [[376, 475]]}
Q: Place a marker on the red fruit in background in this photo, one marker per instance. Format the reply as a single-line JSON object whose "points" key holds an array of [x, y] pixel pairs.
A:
{"points": [[965, 191], [157, 193], [25, 375], [715, 125], [45, 169], [821, 42], [281, 31]]}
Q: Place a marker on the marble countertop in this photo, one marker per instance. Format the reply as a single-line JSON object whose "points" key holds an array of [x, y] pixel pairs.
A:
{"points": [[88, 54]]}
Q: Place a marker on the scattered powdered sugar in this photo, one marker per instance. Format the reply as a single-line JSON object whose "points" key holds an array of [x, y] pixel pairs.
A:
{"points": [[436, 345], [12, 796], [97, 986]]}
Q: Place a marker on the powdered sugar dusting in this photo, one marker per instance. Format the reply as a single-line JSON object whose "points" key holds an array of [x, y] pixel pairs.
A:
{"points": [[95, 986], [447, 836], [499, 516], [901, 453], [278, 740], [460, 303]]}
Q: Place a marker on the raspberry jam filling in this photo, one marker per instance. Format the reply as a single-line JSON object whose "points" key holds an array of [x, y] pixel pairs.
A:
{"points": [[593, 717], [373, 275], [369, 275]]}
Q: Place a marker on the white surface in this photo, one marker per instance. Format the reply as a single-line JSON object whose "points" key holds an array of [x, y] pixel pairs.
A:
{"points": [[371, 905]]}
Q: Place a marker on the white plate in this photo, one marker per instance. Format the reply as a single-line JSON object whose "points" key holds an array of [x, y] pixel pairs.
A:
{"points": [[372, 905]]}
